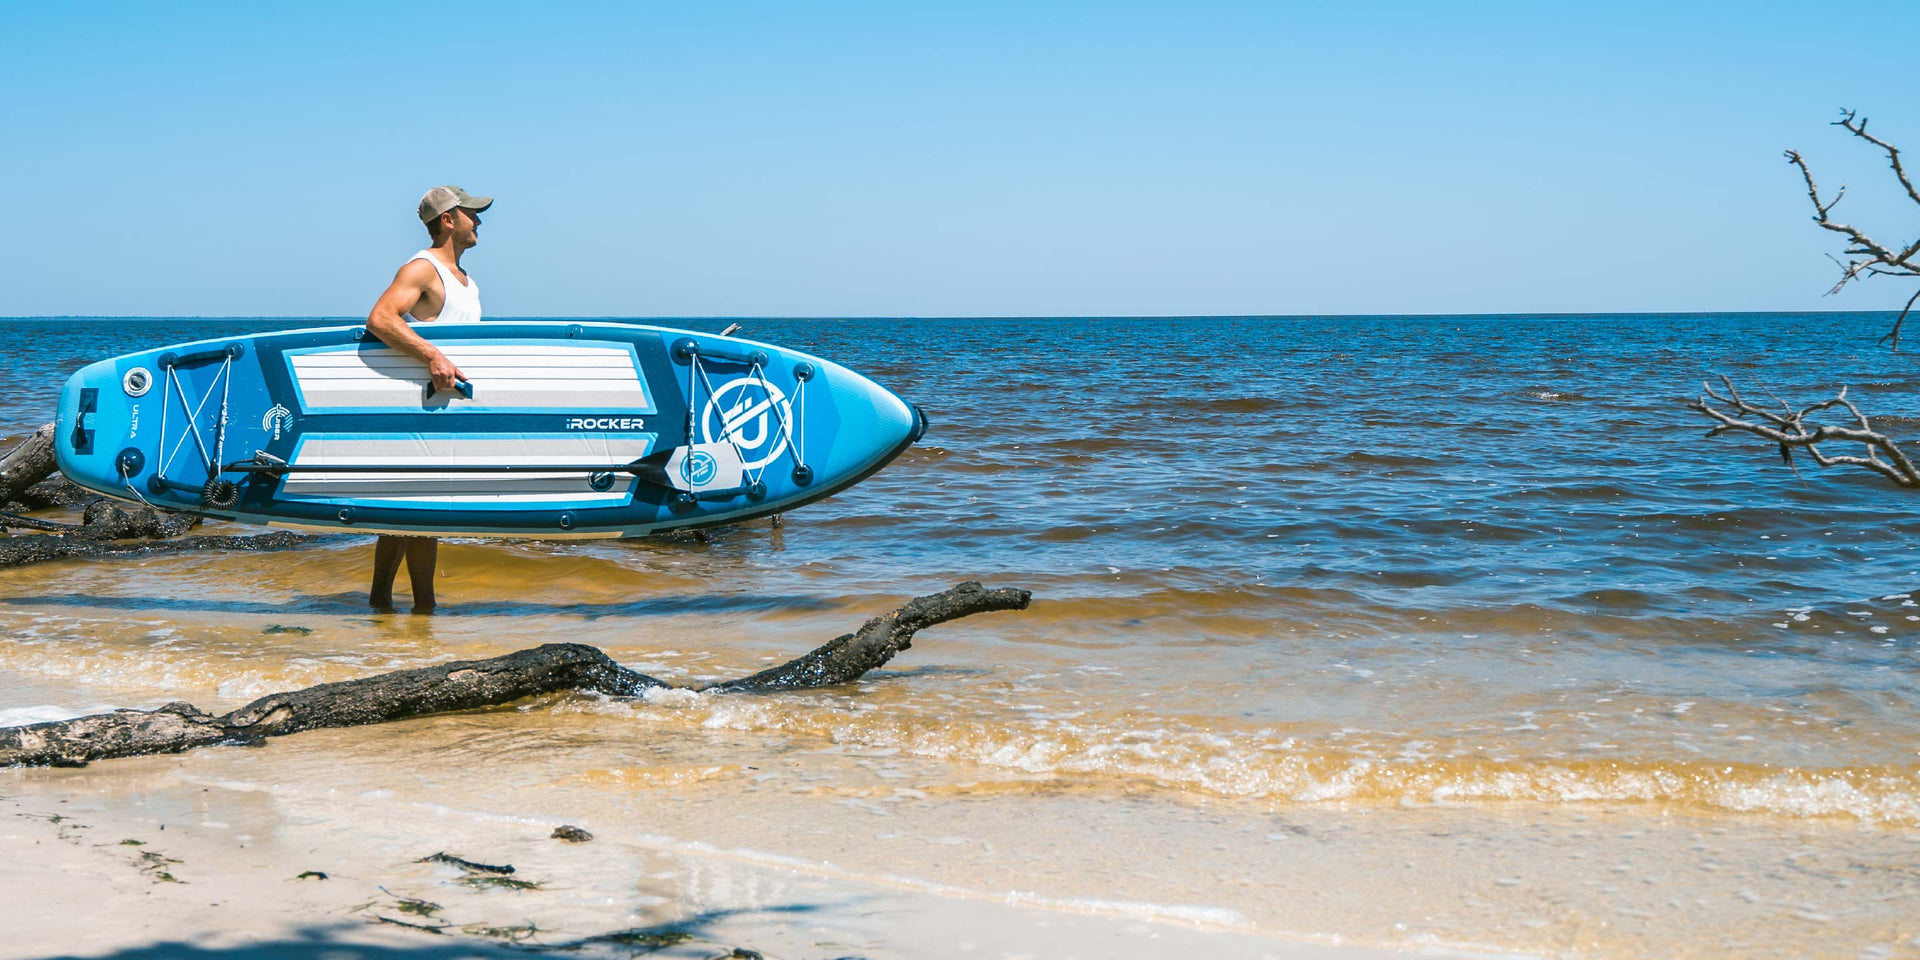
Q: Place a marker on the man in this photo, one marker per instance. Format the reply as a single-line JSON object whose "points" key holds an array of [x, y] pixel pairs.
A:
{"points": [[431, 286]]}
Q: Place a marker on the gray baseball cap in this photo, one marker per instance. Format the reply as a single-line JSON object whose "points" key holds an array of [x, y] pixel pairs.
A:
{"points": [[441, 199]]}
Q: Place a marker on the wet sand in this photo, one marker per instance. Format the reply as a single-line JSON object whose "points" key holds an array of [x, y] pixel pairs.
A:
{"points": [[149, 858], [838, 853]]}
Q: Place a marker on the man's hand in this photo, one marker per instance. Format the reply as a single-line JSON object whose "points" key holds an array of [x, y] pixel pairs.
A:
{"points": [[443, 372]]}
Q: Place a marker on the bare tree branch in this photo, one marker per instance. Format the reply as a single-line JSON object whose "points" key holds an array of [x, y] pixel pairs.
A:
{"points": [[1859, 129], [1874, 253], [1867, 257], [1792, 430], [1894, 334]]}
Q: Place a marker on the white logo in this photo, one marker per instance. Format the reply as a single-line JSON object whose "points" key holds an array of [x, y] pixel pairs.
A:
{"points": [[749, 413], [278, 418], [606, 423], [698, 468]]}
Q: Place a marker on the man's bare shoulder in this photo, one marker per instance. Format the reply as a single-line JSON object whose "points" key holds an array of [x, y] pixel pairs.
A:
{"points": [[416, 285], [416, 273]]}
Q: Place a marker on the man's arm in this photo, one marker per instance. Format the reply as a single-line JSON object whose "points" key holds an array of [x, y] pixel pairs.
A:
{"points": [[387, 322]]}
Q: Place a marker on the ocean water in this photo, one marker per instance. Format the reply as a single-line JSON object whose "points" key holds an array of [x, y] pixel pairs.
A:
{"points": [[1482, 574]]}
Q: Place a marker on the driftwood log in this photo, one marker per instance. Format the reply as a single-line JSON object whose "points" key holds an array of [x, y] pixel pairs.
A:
{"points": [[52, 493], [21, 551], [29, 462], [106, 528], [467, 685]]}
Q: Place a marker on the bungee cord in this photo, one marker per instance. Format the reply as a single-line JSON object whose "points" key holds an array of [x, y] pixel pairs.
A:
{"points": [[222, 380]]}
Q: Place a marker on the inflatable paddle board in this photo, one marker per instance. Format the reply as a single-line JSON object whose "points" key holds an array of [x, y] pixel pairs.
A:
{"points": [[563, 430]]}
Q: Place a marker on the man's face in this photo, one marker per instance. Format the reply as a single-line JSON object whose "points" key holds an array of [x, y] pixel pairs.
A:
{"points": [[463, 226]]}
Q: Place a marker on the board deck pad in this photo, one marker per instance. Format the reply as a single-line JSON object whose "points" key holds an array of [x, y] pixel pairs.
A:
{"points": [[562, 430]]}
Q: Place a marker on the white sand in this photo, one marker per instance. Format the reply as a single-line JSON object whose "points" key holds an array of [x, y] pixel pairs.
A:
{"points": [[216, 869]]}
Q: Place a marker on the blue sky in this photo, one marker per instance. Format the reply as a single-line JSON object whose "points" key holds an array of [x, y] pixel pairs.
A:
{"points": [[884, 159]]}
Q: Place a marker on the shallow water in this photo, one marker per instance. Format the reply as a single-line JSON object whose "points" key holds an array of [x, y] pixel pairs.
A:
{"points": [[1282, 567]]}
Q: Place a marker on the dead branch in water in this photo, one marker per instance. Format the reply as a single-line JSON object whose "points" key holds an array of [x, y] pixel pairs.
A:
{"points": [[467, 685], [850, 655], [1791, 429]]}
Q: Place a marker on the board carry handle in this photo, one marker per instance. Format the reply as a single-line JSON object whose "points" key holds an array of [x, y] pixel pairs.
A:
{"points": [[685, 349], [232, 351], [460, 387]]}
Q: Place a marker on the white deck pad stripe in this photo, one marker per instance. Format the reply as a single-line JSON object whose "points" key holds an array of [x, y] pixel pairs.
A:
{"points": [[525, 377], [456, 490]]}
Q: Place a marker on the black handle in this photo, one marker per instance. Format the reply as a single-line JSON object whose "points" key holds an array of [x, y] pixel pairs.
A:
{"points": [[232, 351], [460, 387]]}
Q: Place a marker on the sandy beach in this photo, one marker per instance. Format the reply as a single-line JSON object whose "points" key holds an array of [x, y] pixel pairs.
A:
{"points": [[164, 857], [217, 853]]}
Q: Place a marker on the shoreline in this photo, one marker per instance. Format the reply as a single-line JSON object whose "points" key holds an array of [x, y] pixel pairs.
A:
{"points": [[829, 854]]}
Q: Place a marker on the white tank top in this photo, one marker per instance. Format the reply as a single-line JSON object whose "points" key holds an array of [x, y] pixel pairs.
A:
{"points": [[462, 299]]}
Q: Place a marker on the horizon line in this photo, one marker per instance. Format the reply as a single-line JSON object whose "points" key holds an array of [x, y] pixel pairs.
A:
{"points": [[1008, 316]]}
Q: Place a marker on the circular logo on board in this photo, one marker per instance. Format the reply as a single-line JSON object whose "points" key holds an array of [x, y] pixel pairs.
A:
{"points": [[698, 468], [749, 413], [277, 419]]}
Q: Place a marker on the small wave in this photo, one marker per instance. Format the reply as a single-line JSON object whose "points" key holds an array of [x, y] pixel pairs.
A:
{"points": [[1145, 599], [1370, 459], [1247, 405], [1552, 394], [1272, 766], [1570, 492], [1619, 600], [1412, 579], [1477, 528]]}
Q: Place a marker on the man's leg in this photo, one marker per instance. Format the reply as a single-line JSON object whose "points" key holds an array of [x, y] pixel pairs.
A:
{"points": [[422, 555], [387, 552]]}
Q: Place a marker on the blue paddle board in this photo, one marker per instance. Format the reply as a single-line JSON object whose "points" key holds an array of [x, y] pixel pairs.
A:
{"points": [[563, 430]]}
